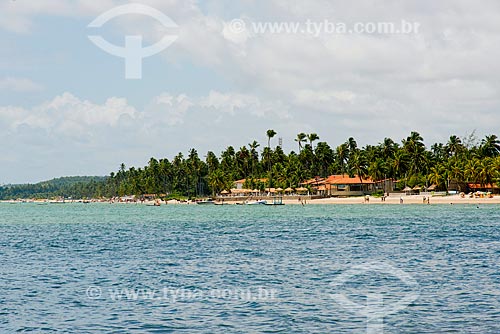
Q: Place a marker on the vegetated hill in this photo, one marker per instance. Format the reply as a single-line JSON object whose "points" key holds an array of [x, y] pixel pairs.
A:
{"points": [[70, 180], [72, 186]]}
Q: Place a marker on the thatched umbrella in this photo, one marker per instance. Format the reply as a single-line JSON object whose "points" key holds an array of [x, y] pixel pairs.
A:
{"points": [[279, 190], [407, 190], [288, 190], [301, 189], [224, 192]]}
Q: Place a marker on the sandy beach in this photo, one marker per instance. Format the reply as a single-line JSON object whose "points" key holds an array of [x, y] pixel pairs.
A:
{"points": [[391, 200], [416, 199]]}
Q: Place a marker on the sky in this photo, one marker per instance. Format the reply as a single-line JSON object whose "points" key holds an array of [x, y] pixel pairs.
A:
{"points": [[68, 108]]}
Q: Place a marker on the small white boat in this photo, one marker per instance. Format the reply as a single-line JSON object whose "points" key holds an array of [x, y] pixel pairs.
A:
{"points": [[57, 202], [277, 200], [259, 202], [207, 202]]}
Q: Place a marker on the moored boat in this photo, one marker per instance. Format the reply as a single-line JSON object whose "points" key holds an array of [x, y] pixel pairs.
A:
{"points": [[259, 202], [206, 202]]}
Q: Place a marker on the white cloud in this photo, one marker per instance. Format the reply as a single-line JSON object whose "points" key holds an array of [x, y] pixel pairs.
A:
{"points": [[439, 82], [168, 109], [315, 97], [235, 31], [68, 115], [228, 103], [19, 85]]}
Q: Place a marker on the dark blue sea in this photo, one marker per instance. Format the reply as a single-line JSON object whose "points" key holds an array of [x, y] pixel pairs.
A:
{"points": [[100, 268]]}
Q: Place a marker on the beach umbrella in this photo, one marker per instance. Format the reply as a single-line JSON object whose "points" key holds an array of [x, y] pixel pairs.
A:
{"points": [[407, 189], [288, 190], [301, 189], [279, 190], [255, 191], [224, 192]]}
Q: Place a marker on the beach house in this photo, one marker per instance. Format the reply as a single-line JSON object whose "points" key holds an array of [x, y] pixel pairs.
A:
{"points": [[345, 185]]}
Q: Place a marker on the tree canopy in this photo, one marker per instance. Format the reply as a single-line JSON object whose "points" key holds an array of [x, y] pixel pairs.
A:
{"points": [[458, 161]]}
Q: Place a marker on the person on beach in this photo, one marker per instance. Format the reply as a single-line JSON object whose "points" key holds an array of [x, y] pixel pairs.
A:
{"points": [[401, 200]]}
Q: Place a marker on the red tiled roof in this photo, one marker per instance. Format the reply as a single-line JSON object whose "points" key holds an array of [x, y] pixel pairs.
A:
{"points": [[318, 180], [484, 186], [345, 179], [243, 180]]}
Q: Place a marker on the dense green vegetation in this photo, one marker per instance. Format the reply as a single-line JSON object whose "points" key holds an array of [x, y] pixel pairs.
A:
{"points": [[74, 186], [458, 162]]}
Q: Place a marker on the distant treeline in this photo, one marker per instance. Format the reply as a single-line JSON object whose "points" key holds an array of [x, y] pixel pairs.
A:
{"points": [[74, 186], [458, 161]]}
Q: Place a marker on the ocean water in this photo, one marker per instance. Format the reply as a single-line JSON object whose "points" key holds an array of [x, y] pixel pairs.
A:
{"points": [[100, 268]]}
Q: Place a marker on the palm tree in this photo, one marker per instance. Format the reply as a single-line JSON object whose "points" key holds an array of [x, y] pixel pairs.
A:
{"points": [[243, 161], [454, 145], [312, 137], [415, 148], [388, 148], [455, 170], [398, 164], [496, 170], [486, 172], [471, 171], [358, 165], [343, 155], [377, 169], [439, 152], [490, 146], [351, 142], [324, 157], [270, 134], [253, 154], [436, 175], [228, 162], [217, 181], [301, 138], [211, 161]]}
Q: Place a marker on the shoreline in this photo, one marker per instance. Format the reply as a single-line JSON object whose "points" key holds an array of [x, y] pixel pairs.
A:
{"points": [[394, 200]]}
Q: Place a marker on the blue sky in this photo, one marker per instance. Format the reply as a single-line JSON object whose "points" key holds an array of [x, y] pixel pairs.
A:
{"points": [[66, 108]]}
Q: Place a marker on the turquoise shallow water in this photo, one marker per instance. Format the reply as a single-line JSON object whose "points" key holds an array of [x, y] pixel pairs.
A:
{"points": [[102, 268]]}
